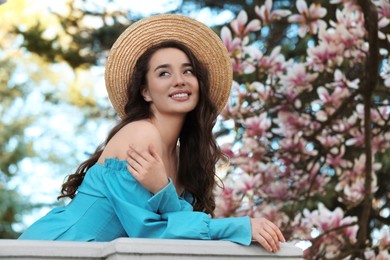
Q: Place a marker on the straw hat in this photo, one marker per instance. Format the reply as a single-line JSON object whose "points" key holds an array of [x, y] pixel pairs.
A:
{"points": [[137, 38]]}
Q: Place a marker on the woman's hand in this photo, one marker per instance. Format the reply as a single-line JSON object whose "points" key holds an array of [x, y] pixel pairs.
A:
{"points": [[147, 168], [267, 234]]}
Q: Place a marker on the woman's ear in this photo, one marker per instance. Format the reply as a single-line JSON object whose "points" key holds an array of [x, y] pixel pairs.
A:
{"points": [[145, 94]]}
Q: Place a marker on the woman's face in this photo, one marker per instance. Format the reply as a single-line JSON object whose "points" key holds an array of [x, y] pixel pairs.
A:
{"points": [[171, 86]]}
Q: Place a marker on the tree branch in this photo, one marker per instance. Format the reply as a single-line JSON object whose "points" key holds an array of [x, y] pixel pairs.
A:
{"points": [[368, 86]]}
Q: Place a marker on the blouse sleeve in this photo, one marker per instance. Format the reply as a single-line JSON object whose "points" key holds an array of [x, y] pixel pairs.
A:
{"points": [[167, 200], [139, 222], [135, 208]]}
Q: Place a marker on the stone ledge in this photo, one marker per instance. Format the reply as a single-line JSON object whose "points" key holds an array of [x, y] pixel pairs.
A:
{"points": [[140, 248]]}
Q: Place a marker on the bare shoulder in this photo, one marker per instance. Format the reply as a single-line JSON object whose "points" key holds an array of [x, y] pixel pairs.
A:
{"points": [[140, 134], [140, 128]]}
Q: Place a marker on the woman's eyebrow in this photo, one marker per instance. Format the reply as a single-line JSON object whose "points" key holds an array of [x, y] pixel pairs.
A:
{"points": [[163, 66]]}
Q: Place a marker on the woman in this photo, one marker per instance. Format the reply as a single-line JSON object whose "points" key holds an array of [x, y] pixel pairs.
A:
{"points": [[168, 77]]}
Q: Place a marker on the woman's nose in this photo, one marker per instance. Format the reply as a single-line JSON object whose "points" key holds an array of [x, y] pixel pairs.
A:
{"points": [[179, 79]]}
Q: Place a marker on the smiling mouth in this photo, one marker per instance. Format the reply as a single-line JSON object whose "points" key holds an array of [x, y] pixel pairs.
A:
{"points": [[180, 95]]}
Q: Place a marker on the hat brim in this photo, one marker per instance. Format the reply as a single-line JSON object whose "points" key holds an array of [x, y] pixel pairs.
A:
{"points": [[137, 38]]}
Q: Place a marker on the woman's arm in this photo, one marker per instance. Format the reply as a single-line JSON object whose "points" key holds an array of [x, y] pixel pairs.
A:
{"points": [[139, 221]]}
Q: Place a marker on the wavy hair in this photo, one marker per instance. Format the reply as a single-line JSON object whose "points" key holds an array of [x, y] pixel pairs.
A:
{"points": [[199, 152]]}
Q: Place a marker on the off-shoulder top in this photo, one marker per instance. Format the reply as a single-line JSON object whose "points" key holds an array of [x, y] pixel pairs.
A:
{"points": [[110, 203]]}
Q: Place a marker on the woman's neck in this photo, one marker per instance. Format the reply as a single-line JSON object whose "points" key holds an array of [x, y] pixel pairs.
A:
{"points": [[169, 128]]}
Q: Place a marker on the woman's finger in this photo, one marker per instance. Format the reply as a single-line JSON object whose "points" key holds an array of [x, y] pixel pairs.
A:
{"points": [[280, 235], [153, 152], [132, 171], [277, 232], [263, 242], [141, 156], [136, 156], [271, 238], [136, 166]]}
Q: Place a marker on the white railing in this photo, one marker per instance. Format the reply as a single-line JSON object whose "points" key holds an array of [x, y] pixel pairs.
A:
{"points": [[138, 248]]}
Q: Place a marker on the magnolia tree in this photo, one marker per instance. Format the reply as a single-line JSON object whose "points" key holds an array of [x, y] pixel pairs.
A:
{"points": [[311, 131]]}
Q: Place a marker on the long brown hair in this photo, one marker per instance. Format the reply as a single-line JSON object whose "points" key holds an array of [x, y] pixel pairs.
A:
{"points": [[199, 152]]}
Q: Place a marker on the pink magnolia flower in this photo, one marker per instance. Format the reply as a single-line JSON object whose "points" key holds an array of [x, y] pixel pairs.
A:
{"points": [[351, 19], [309, 19], [334, 99], [351, 182], [342, 81], [227, 39], [290, 123], [297, 79], [325, 220], [353, 192], [344, 125], [383, 23], [253, 147], [326, 55], [243, 57], [260, 91], [239, 66], [380, 142], [252, 56], [258, 125], [267, 15], [276, 190], [247, 183], [226, 203], [352, 40], [310, 174], [381, 114], [271, 212], [348, 31], [233, 105], [378, 116], [329, 102], [336, 159], [227, 149], [274, 64], [296, 145], [271, 172], [239, 25], [328, 140], [383, 8], [357, 138]]}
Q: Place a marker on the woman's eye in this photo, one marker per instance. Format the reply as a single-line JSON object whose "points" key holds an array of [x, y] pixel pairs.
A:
{"points": [[189, 71], [163, 73]]}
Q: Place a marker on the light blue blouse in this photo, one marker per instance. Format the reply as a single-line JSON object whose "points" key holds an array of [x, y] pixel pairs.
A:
{"points": [[110, 203]]}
